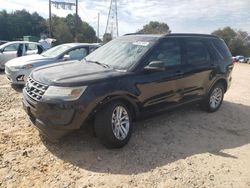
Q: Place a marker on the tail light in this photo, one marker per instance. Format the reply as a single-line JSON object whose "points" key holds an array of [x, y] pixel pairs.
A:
{"points": [[234, 61]]}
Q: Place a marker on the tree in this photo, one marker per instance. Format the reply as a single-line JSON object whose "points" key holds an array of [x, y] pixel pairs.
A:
{"points": [[13, 26], [61, 31], [19, 23], [237, 41], [154, 27]]}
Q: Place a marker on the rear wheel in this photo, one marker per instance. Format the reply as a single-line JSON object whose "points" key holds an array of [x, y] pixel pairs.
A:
{"points": [[113, 125], [214, 99]]}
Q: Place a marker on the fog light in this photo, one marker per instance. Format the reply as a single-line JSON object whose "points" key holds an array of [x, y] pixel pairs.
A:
{"points": [[20, 78]]}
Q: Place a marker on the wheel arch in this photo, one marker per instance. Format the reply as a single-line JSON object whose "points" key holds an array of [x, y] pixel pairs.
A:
{"points": [[223, 82], [130, 104]]}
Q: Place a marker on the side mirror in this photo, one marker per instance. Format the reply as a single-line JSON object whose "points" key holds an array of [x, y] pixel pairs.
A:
{"points": [[155, 66], [66, 57], [1, 50]]}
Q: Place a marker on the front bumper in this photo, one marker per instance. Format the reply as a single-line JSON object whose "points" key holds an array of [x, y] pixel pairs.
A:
{"points": [[54, 120], [2, 66], [13, 76]]}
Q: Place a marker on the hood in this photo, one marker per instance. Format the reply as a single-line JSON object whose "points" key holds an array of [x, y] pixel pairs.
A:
{"points": [[73, 73], [29, 59]]}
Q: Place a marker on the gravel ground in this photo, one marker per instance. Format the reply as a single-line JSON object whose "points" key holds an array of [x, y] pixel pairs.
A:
{"points": [[183, 148]]}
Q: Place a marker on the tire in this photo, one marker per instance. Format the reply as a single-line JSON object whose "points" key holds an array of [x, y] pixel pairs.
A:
{"points": [[214, 99], [109, 129]]}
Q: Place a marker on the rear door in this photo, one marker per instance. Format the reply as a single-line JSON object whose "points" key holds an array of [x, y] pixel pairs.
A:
{"points": [[9, 52], [31, 48], [198, 68]]}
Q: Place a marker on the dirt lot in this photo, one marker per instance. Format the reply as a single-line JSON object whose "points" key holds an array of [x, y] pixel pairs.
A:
{"points": [[183, 148]]}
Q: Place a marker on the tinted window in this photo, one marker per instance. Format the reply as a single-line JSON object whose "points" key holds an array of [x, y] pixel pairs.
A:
{"points": [[78, 53], [168, 51], [221, 49], [196, 52]]}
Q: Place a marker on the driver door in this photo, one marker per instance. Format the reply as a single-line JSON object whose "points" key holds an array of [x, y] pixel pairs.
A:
{"points": [[163, 87]]}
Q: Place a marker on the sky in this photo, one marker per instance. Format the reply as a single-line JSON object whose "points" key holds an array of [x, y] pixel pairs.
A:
{"points": [[182, 16]]}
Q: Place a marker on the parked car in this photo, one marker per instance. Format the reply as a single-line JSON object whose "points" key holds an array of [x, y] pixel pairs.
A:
{"points": [[128, 77], [17, 70], [240, 59], [248, 60], [11, 50]]}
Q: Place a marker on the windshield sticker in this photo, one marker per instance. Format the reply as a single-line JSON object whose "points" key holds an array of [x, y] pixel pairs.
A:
{"points": [[141, 43]]}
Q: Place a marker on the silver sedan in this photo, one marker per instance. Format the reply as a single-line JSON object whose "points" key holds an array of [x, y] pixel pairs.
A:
{"points": [[18, 70], [11, 50]]}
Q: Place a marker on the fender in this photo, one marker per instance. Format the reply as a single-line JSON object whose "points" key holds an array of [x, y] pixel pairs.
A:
{"points": [[125, 98], [219, 79]]}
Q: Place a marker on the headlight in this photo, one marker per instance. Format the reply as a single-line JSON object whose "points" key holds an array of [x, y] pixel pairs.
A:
{"points": [[29, 66], [64, 93]]}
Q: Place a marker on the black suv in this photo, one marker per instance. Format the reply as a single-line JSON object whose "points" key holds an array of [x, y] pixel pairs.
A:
{"points": [[129, 76]]}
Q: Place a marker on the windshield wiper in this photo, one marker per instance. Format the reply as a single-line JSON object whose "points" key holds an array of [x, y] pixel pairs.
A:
{"points": [[98, 63]]}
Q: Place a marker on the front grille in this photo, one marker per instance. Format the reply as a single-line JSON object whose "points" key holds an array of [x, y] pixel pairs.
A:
{"points": [[34, 89]]}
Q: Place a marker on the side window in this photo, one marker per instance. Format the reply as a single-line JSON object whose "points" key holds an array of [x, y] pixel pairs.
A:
{"points": [[221, 49], [10, 48], [197, 52], [78, 54], [32, 47], [168, 51]]}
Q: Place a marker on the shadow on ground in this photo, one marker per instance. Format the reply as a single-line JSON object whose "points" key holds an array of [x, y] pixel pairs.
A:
{"points": [[17, 88], [161, 140]]}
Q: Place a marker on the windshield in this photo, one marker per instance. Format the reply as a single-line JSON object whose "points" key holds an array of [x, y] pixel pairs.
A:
{"points": [[121, 53], [56, 51]]}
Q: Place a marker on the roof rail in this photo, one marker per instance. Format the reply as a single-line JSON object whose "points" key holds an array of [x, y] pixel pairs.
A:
{"points": [[177, 34], [191, 34]]}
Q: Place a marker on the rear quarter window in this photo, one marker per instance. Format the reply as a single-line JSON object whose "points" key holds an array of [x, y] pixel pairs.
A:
{"points": [[221, 49]]}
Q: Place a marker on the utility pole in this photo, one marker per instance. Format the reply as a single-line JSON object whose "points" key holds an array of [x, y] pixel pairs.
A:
{"points": [[116, 18], [76, 22], [50, 30], [98, 26]]}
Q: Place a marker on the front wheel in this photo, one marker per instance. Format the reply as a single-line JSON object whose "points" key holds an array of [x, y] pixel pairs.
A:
{"points": [[214, 99], [113, 125]]}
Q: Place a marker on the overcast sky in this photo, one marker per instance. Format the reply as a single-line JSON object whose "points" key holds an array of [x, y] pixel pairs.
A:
{"points": [[198, 16]]}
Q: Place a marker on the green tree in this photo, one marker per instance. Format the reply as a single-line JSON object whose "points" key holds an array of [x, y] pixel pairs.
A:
{"points": [[237, 41], [19, 23], [60, 30], [154, 27], [13, 26], [4, 25]]}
